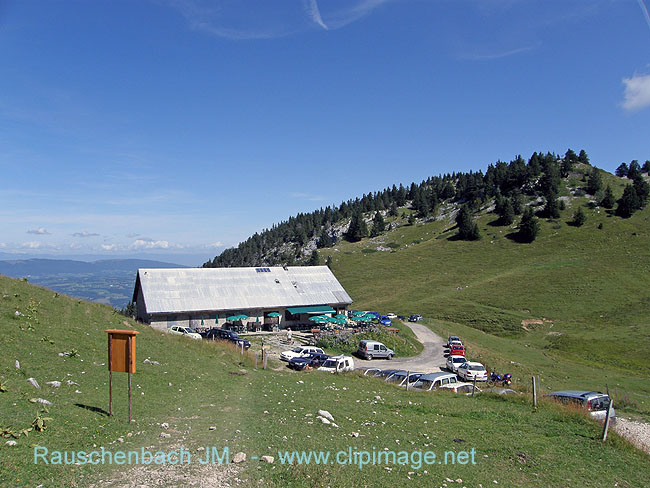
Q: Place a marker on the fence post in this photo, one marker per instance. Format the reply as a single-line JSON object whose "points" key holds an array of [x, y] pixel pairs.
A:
{"points": [[474, 387], [606, 426], [534, 394], [256, 361]]}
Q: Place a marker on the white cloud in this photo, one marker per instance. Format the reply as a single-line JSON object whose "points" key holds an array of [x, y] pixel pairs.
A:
{"points": [[85, 234], [637, 92], [30, 245], [41, 231], [306, 196], [149, 244], [109, 247], [314, 13]]}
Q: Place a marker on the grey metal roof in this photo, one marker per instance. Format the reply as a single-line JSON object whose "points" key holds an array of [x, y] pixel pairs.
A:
{"points": [[209, 289]]}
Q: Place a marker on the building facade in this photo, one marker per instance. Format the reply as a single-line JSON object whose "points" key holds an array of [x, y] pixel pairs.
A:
{"points": [[206, 297]]}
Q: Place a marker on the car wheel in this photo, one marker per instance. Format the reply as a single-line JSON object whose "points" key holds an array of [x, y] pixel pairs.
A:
{"points": [[369, 357], [390, 356]]}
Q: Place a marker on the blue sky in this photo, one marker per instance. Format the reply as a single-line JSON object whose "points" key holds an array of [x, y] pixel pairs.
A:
{"points": [[184, 126]]}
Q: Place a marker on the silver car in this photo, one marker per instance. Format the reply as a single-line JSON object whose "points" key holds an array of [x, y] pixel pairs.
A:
{"points": [[373, 349], [594, 401]]}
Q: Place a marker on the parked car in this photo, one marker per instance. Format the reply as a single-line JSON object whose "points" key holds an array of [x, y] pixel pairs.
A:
{"points": [[384, 320], [400, 378], [416, 317], [595, 402], [456, 342], [371, 371], [401, 317], [453, 362], [299, 351], [456, 350], [451, 339], [461, 387], [391, 315], [432, 381], [471, 370], [372, 349], [185, 331], [226, 335], [338, 364], [385, 373], [310, 361]]}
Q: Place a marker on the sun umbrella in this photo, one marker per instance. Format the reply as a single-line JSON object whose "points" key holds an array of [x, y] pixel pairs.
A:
{"points": [[232, 318], [358, 314], [340, 316], [242, 317], [318, 319], [273, 314]]}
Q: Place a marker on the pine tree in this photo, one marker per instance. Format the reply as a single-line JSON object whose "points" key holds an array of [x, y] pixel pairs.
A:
{"points": [[411, 219], [579, 218], [392, 211], [582, 157], [622, 170], [551, 210], [467, 229], [314, 259], [378, 225], [529, 226], [357, 229], [642, 190], [518, 204], [628, 203], [595, 182], [634, 170], [506, 213], [646, 166], [608, 200]]}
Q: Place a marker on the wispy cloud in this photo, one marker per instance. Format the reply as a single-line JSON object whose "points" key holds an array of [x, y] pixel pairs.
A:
{"points": [[85, 234], [644, 10], [637, 92], [261, 19], [41, 231], [314, 13], [503, 54], [306, 196]]}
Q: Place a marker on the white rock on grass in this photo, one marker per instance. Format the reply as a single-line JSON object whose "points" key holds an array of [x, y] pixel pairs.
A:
{"points": [[40, 400], [33, 382], [240, 457], [324, 420], [17, 364], [267, 459], [165, 435], [54, 384], [326, 414], [164, 425], [11, 443]]}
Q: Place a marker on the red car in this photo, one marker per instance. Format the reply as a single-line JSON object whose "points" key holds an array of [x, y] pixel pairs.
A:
{"points": [[456, 350]]}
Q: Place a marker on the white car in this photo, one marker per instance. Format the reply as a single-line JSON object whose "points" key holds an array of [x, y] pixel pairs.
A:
{"points": [[185, 331], [469, 370], [461, 387], [299, 351], [391, 316], [338, 364], [454, 361]]}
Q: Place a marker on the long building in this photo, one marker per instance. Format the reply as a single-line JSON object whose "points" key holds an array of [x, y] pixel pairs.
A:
{"points": [[206, 297]]}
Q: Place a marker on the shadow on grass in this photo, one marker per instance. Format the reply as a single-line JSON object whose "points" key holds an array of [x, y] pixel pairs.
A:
{"points": [[516, 237], [92, 409]]}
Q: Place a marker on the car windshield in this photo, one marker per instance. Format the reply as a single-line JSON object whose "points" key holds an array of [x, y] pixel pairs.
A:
{"points": [[189, 330], [234, 335], [423, 384], [476, 367], [458, 360], [599, 403], [329, 364], [297, 349]]}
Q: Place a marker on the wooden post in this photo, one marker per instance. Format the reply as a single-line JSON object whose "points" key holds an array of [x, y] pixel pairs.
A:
{"points": [[110, 376], [255, 361], [534, 394], [265, 356], [474, 387], [129, 363], [606, 425]]}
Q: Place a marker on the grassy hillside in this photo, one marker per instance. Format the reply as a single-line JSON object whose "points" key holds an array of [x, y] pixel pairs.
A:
{"points": [[587, 287], [210, 396]]}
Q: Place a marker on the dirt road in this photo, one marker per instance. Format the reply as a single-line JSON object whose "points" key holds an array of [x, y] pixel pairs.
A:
{"points": [[430, 361]]}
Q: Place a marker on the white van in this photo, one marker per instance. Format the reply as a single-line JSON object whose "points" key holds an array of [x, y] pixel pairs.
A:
{"points": [[433, 381], [338, 364], [373, 349]]}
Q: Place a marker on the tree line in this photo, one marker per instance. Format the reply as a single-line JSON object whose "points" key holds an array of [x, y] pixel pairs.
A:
{"points": [[511, 184]]}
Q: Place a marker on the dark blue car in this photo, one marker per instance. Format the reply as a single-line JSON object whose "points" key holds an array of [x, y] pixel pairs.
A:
{"points": [[313, 360]]}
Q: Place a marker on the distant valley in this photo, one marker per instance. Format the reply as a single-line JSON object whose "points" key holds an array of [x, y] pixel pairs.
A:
{"points": [[107, 281]]}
